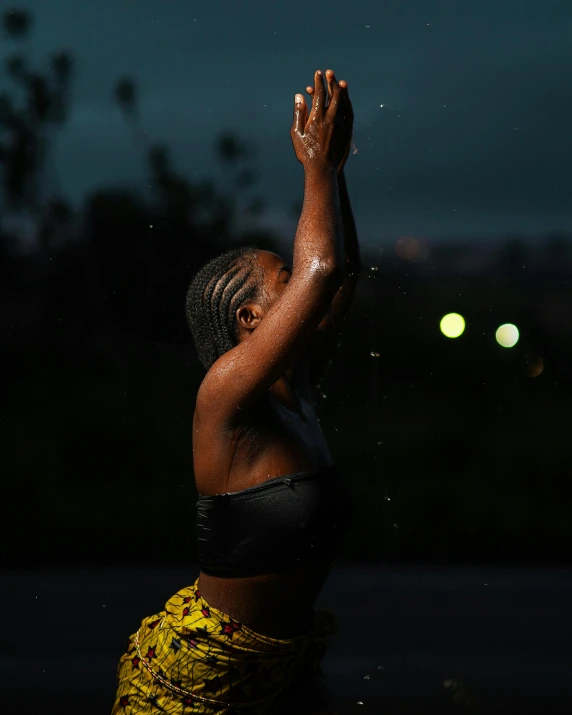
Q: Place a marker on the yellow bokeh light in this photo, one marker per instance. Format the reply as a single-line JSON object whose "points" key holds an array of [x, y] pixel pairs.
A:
{"points": [[507, 335], [452, 325]]}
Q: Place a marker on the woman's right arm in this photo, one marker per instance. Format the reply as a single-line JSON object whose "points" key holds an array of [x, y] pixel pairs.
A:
{"points": [[242, 375]]}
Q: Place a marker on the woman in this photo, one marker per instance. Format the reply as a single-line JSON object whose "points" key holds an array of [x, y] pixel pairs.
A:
{"points": [[272, 508]]}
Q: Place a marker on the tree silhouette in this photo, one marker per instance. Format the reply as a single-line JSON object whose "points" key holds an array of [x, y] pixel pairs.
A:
{"points": [[16, 23], [26, 125]]}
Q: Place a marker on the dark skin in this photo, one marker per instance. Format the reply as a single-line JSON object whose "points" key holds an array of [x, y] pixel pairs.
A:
{"points": [[254, 416]]}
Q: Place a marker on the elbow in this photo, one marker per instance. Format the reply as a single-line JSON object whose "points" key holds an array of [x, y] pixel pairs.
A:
{"points": [[334, 273], [325, 269]]}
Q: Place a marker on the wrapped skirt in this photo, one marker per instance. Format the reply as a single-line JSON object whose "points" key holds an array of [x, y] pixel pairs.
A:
{"points": [[191, 658]]}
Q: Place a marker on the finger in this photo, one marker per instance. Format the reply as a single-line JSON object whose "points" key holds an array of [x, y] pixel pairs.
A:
{"points": [[300, 114], [335, 101], [310, 90], [345, 97], [330, 80], [319, 96]]}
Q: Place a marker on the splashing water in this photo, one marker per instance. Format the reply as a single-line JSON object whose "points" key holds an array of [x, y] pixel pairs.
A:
{"points": [[374, 354]]}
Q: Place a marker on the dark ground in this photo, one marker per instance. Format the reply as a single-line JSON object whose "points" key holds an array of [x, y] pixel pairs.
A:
{"points": [[431, 638]]}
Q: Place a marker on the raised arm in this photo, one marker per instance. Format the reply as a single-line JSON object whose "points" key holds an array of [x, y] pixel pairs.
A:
{"points": [[352, 259], [320, 356], [246, 372]]}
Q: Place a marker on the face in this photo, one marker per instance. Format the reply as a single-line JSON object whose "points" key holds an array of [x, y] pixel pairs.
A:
{"points": [[276, 274]]}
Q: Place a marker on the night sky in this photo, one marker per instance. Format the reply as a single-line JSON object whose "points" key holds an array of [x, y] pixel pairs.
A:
{"points": [[474, 137]]}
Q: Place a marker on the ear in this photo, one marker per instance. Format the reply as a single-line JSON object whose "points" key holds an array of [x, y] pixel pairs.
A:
{"points": [[249, 315]]}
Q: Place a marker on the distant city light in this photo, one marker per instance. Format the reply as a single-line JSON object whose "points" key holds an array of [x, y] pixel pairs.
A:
{"points": [[507, 335], [452, 325], [410, 248]]}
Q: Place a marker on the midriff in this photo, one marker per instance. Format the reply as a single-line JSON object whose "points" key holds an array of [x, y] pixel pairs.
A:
{"points": [[276, 605]]}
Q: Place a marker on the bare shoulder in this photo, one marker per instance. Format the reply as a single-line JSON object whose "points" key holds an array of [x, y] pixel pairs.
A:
{"points": [[215, 436], [213, 400]]}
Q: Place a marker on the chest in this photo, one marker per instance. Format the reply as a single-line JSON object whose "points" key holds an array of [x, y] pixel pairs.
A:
{"points": [[273, 440]]}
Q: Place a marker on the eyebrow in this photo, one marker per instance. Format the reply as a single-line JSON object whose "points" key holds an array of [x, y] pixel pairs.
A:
{"points": [[285, 268]]}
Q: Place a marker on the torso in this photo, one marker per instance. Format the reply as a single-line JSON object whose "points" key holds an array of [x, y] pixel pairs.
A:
{"points": [[275, 439]]}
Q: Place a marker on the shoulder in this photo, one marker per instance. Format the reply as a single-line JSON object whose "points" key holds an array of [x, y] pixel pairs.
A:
{"points": [[214, 441]]}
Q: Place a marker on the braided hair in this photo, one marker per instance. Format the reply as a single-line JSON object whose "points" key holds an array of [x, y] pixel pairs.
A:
{"points": [[219, 288]]}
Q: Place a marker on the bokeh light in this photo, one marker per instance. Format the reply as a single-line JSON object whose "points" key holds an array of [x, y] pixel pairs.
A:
{"points": [[412, 248], [507, 335], [532, 364], [452, 325]]}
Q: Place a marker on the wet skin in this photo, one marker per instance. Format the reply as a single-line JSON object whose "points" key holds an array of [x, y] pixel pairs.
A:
{"points": [[279, 433], [281, 436]]}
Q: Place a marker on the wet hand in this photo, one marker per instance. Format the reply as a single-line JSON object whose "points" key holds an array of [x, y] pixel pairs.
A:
{"points": [[315, 134], [344, 116]]}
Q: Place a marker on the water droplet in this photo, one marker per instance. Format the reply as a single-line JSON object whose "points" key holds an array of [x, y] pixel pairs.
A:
{"points": [[380, 442], [359, 702], [380, 667], [396, 526], [374, 268], [374, 354], [366, 677], [324, 395], [388, 499]]}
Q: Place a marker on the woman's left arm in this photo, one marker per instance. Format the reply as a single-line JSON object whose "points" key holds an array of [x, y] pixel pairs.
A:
{"points": [[345, 125], [320, 355], [343, 298]]}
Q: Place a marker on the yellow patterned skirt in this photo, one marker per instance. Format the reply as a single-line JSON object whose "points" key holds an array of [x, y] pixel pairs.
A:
{"points": [[191, 658]]}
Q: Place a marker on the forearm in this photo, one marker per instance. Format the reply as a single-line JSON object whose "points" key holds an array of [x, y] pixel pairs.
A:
{"points": [[320, 232], [352, 261]]}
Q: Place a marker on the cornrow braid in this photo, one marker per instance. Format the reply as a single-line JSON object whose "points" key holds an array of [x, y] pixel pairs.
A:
{"points": [[213, 297]]}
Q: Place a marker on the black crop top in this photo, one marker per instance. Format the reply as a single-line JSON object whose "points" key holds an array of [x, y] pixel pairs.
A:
{"points": [[279, 524]]}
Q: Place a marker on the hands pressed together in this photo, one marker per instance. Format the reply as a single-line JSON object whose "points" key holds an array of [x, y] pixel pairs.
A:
{"points": [[322, 138]]}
